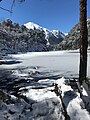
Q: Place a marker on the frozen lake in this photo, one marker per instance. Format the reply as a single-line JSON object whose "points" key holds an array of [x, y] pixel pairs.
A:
{"points": [[63, 63]]}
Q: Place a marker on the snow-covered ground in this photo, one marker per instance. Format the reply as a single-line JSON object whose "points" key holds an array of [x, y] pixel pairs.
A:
{"points": [[45, 105], [41, 102]]}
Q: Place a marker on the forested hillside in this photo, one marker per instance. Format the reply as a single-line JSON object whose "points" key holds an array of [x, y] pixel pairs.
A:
{"points": [[71, 41]]}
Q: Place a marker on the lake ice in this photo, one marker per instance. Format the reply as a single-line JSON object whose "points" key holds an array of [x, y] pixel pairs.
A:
{"points": [[63, 63]]}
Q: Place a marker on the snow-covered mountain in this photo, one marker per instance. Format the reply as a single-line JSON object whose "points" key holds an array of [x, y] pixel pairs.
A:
{"points": [[52, 36], [27, 38]]}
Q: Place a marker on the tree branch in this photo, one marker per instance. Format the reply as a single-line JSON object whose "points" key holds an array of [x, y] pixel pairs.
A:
{"points": [[6, 9], [12, 4], [10, 11]]}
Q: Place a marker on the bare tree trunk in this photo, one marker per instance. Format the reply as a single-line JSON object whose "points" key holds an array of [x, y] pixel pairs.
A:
{"points": [[83, 41]]}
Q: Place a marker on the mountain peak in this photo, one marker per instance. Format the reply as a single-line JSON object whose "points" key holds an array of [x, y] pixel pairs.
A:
{"points": [[31, 25]]}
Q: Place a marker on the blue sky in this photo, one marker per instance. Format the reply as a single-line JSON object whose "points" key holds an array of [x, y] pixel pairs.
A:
{"points": [[52, 14]]}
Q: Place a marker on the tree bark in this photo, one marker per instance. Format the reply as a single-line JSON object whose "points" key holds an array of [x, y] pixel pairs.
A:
{"points": [[83, 41]]}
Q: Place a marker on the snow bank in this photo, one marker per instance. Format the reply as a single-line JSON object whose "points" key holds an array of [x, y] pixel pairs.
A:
{"points": [[73, 102]]}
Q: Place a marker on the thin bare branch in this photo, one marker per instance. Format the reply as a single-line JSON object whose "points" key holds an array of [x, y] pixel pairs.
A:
{"points": [[22, 0], [6, 9], [10, 11], [13, 4]]}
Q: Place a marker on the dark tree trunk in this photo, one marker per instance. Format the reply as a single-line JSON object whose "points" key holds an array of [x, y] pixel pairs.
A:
{"points": [[83, 41]]}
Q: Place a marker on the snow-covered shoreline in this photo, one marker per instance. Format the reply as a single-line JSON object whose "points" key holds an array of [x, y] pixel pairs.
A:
{"points": [[44, 53]]}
